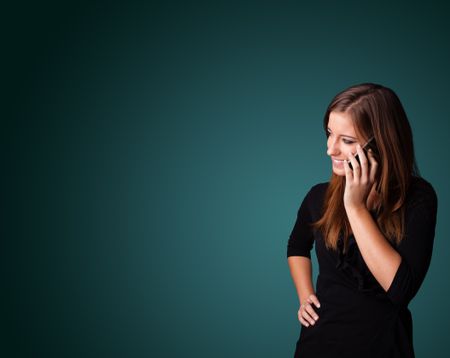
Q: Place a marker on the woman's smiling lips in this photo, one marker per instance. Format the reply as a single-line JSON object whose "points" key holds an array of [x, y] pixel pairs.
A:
{"points": [[338, 162]]}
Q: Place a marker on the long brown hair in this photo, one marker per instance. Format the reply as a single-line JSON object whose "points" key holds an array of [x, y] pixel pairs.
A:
{"points": [[375, 111]]}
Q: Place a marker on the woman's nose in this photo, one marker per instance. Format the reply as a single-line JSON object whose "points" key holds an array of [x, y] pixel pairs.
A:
{"points": [[332, 148]]}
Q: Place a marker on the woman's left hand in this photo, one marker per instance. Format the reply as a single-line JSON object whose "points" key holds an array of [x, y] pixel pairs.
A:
{"points": [[360, 180]]}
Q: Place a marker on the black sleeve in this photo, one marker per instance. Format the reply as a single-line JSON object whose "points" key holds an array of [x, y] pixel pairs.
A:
{"points": [[415, 248], [301, 239]]}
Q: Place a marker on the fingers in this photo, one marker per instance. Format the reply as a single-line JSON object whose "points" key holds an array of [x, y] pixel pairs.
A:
{"points": [[355, 165], [313, 299], [373, 166], [302, 320], [363, 164], [348, 172], [306, 314], [310, 310]]}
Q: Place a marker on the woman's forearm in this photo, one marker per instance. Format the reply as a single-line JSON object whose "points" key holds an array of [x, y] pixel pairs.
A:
{"points": [[301, 273], [380, 257]]}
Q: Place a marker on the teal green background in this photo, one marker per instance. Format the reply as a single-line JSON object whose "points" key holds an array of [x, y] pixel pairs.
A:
{"points": [[156, 154]]}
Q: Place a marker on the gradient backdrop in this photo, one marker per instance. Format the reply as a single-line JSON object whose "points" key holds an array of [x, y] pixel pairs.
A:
{"points": [[156, 154]]}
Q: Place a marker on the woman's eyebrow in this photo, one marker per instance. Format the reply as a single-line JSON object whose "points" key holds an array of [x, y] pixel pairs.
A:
{"points": [[344, 135]]}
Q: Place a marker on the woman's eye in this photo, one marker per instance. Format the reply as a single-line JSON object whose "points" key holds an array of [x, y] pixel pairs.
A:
{"points": [[344, 140]]}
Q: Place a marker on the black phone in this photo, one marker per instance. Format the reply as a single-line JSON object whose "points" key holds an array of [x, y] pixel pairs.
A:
{"points": [[369, 145]]}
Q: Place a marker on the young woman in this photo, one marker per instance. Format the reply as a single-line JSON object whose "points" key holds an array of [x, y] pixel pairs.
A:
{"points": [[373, 226]]}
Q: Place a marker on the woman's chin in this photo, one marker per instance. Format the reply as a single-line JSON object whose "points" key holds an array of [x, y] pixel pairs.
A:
{"points": [[339, 171]]}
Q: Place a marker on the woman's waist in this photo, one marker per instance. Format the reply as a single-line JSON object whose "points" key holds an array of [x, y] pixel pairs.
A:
{"points": [[346, 294]]}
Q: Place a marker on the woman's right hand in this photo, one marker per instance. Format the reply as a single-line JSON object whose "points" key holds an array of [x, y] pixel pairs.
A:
{"points": [[306, 313]]}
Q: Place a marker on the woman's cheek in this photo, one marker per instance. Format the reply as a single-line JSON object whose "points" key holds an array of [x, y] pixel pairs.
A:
{"points": [[352, 150]]}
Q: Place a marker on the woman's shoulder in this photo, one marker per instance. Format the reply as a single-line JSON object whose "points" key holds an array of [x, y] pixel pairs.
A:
{"points": [[316, 196], [420, 191], [318, 189]]}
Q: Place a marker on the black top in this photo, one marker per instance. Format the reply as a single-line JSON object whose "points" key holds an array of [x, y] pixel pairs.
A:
{"points": [[357, 317]]}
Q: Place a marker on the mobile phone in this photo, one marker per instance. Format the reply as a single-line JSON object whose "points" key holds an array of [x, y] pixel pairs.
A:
{"points": [[368, 145]]}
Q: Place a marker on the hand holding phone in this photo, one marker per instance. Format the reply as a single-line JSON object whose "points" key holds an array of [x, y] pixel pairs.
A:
{"points": [[365, 147]]}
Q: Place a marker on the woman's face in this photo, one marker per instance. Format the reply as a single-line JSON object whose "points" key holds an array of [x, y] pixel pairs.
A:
{"points": [[342, 140]]}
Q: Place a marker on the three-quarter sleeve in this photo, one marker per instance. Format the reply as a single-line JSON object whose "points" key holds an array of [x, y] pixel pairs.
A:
{"points": [[301, 239], [416, 247]]}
